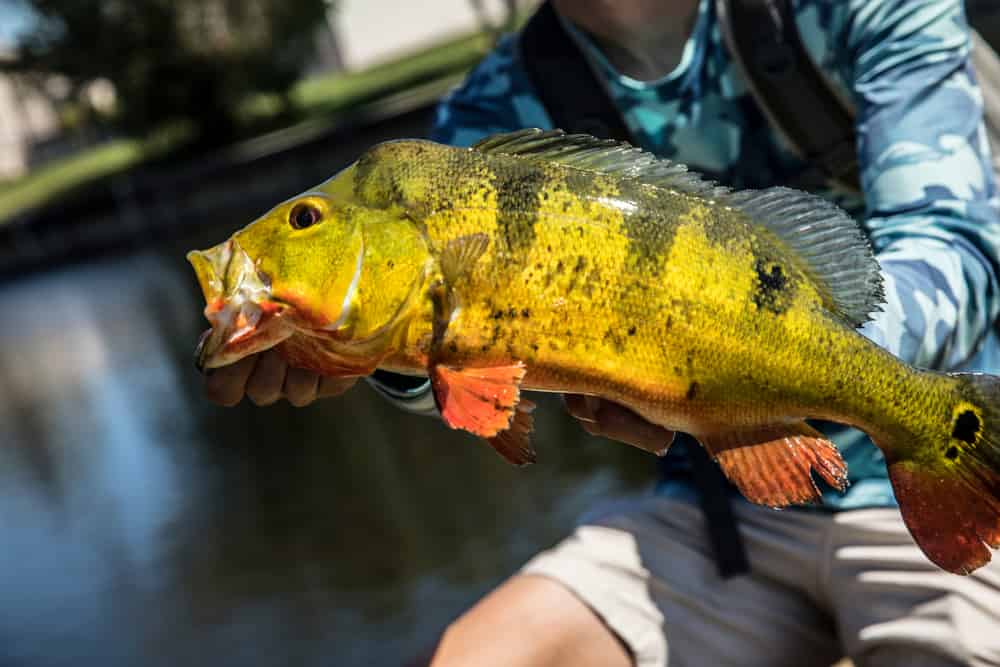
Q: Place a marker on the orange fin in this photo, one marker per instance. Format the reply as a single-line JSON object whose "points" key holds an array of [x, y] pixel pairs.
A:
{"points": [[513, 444], [773, 465], [951, 520], [947, 479], [482, 401]]}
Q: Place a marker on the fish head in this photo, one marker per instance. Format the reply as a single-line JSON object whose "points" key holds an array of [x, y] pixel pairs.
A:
{"points": [[295, 269]]}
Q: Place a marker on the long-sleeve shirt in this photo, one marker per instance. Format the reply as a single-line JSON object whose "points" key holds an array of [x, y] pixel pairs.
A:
{"points": [[929, 201]]}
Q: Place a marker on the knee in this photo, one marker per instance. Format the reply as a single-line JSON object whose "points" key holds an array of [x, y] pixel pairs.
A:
{"points": [[457, 645], [528, 622]]}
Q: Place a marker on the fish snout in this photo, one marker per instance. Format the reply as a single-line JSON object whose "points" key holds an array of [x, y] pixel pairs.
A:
{"points": [[244, 318], [210, 267]]}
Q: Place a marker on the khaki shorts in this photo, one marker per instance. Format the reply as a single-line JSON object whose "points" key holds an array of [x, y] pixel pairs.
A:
{"points": [[821, 585]]}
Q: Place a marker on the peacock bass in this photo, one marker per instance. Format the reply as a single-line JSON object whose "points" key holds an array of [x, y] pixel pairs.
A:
{"points": [[562, 263]]}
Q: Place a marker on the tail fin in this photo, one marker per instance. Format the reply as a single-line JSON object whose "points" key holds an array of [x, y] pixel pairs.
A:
{"points": [[949, 491]]}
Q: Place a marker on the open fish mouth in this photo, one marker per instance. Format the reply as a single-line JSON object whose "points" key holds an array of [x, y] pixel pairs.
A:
{"points": [[245, 317]]}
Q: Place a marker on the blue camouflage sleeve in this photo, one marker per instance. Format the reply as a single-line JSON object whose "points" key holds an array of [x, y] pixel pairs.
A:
{"points": [[927, 177], [495, 97]]}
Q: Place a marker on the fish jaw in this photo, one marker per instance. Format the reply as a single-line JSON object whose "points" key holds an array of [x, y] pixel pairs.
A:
{"points": [[245, 317]]}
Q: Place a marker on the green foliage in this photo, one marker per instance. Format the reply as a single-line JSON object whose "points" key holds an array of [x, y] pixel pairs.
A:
{"points": [[319, 99], [175, 59]]}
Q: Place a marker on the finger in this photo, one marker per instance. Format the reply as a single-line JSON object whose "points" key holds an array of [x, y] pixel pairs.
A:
{"points": [[581, 407], [620, 423], [268, 378], [301, 386], [226, 385], [334, 386]]}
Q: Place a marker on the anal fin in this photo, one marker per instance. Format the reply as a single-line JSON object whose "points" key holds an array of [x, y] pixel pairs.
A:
{"points": [[487, 402], [773, 465]]}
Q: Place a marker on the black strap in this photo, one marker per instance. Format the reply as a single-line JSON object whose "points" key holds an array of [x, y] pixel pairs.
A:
{"points": [[764, 40], [716, 504], [563, 79]]}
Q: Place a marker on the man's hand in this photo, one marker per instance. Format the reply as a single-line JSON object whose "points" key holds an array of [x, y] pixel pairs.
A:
{"points": [[265, 378], [616, 422]]}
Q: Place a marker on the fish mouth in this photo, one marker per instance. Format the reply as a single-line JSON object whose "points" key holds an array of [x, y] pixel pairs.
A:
{"points": [[245, 316]]}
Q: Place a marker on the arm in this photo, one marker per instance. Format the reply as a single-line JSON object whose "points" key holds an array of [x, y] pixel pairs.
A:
{"points": [[927, 178], [496, 97]]}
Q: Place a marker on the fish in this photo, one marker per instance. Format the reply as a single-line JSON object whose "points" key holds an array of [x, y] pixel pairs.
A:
{"points": [[553, 262]]}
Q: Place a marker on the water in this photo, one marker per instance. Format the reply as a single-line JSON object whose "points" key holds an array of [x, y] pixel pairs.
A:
{"points": [[139, 524]]}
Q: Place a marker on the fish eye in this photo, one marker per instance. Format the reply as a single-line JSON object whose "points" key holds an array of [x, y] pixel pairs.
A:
{"points": [[304, 215]]}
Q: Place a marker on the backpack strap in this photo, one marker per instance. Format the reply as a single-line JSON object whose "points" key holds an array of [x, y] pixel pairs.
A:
{"points": [[565, 82], [764, 40]]}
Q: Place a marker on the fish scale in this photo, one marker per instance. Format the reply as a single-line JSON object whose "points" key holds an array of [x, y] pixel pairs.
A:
{"points": [[544, 261]]}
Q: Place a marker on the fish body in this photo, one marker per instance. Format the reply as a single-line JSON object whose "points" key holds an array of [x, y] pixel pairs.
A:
{"points": [[548, 262]]}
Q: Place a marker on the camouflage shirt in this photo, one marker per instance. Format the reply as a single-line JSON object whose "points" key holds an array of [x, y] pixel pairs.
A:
{"points": [[929, 200]]}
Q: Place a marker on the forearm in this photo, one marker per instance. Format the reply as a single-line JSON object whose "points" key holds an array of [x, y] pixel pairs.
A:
{"points": [[941, 302], [928, 180]]}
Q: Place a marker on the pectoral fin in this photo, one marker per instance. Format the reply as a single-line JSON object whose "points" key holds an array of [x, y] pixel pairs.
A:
{"points": [[514, 443], [772, 465], [460, 255], [487, 402]]}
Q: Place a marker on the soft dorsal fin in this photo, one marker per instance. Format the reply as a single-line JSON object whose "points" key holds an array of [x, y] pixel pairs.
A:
{"points": [[834, 251]]}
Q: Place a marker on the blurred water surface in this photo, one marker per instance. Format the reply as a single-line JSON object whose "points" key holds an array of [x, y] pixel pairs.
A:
{"points": [[141, 525]]}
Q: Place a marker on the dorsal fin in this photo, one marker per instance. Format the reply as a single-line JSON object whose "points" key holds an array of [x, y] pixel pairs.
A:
{"points": [[606, 156], [834, 251]]}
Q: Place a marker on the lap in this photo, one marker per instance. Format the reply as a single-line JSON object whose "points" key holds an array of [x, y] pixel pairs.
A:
{"points": [[820, 584], [647, 570], [894, 607]]}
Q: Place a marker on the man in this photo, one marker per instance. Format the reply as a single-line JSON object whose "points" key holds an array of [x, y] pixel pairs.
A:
{"points": [[637, 584]]}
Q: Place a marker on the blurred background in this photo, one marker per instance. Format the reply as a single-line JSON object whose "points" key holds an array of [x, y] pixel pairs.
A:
{"points": [[140, 524]]}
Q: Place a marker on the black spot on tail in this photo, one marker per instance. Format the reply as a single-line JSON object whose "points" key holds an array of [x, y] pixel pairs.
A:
{"points": [[692, 391], [966, 427]]}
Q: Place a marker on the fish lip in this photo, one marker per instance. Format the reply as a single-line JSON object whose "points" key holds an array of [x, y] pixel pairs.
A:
{"points": [[241, 328], [211, 267], [245, 316]]}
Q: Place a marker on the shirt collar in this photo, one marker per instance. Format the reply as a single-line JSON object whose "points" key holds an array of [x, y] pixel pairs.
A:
{"points": [[679, 76]]}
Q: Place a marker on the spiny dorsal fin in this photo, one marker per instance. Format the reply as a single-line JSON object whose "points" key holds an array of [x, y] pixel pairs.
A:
{"points": [[606, 156], [834, 251]]}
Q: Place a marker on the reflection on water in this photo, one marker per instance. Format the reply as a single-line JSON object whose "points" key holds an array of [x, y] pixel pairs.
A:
{"points": [[139, 524]]}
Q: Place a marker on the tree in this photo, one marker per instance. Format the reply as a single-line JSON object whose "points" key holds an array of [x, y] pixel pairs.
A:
{"points": [[170, 59]]}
